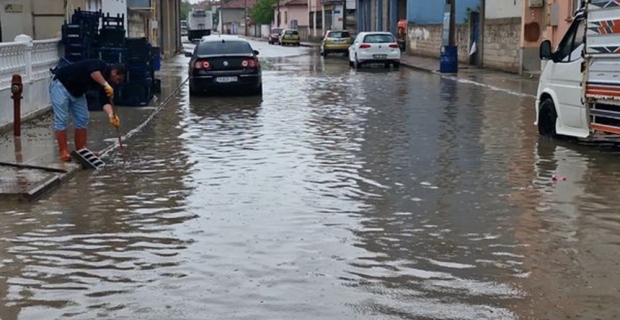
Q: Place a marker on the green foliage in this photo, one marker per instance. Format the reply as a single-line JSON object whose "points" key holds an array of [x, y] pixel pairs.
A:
{"points": [[262, 11], [186, 7]]}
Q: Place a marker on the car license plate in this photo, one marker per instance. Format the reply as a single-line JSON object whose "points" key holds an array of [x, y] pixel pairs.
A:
{"points": [[379, 56], [226, 79]]}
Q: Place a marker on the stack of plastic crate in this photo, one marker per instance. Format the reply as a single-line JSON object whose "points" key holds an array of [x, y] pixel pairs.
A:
{"points": [[112, 32], [110, 49], [80, 36], [137, 90], [111, 39]]}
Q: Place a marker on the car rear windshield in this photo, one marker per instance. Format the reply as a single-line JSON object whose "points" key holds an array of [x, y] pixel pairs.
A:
{"points": [[226, 47], [276, 30], [339, 35], [379, 38], [291, 33]]}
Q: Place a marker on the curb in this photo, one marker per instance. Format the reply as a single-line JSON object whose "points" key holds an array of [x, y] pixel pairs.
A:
{"points": [[27, 118], [455, 77]]}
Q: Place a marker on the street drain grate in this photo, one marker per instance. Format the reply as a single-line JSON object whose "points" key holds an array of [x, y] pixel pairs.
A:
{"points": [[88, 159]]}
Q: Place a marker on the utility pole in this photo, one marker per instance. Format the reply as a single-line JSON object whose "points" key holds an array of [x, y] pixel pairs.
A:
{"points": [[449, 52], [246, 17], [344, 14], [483, 6], [452, 36], [278, 17]]}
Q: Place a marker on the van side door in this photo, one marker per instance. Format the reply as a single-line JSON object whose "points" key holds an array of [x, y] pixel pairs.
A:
{"points": [[566, 76]]}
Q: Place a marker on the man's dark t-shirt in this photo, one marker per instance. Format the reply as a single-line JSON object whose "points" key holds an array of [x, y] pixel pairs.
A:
{"points": [[76, 76]]}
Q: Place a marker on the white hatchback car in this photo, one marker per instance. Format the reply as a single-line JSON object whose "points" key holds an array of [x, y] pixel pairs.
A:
{"points": [[374, 47]]}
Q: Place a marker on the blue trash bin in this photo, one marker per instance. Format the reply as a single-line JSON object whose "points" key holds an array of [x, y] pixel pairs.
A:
{"points": [[156, 58], [449, 61]]}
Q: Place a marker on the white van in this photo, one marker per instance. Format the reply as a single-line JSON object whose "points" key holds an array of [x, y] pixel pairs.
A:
{"points": [[579, 89]]}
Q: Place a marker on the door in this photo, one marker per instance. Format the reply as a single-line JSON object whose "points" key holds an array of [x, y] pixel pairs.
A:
{"points": [[474, 32], [566, 76]]}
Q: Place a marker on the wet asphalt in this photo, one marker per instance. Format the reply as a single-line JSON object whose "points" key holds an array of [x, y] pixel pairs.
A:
{"points": [[340, 194]]}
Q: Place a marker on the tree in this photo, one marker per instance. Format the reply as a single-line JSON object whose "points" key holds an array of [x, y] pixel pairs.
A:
{"points": [[262, 11], [186, 7]]}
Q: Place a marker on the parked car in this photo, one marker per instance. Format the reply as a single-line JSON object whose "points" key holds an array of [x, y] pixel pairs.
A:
{"points": [[374, 47], [221, 62], [336, 41], [289, 37], [274, 36], [183, 28]]}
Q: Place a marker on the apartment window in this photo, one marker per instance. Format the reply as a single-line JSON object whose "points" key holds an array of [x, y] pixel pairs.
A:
{"points": [[285, 17]]}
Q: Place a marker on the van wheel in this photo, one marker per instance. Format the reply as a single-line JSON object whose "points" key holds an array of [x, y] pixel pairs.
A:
{"points": [[547, 119]]}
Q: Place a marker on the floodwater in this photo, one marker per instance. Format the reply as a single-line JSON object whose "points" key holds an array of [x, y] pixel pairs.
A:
{"points": [[340, 195]]}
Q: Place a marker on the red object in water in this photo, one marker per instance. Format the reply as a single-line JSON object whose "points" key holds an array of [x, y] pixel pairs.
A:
{"points": [[558, 178]]}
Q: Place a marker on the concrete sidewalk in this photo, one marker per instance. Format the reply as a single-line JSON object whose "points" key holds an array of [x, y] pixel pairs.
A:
{"points": [[501, 81], [37, 145]]}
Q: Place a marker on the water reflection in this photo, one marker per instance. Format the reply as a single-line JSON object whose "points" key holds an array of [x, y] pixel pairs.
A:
{"points": [[390, 194], [80, 251]]}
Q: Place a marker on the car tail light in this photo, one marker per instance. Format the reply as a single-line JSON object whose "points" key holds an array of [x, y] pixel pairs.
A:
{"points": [[394, 45], [249, 63], [364, 46], [202, 65]]}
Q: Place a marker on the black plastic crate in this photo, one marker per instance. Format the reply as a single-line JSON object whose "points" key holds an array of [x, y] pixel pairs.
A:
{"points": [[137, 77], [136, 94], [117, 21], [156, 86], [109, 37], [91, 17], [75, 57], [112, 55], [139, 42], [93, 100]]}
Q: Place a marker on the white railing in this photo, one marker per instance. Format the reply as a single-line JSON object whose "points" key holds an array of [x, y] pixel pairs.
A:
{"points": [[31, 60]]}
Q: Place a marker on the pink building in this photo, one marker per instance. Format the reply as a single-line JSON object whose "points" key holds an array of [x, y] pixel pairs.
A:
{"points": [[548, 21], [289, 11], [558, 24]]}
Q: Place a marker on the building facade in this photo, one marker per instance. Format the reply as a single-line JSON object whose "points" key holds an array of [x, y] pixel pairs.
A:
{"points": [[425, 28], [383, 15], [291, 14], [501, 35]]}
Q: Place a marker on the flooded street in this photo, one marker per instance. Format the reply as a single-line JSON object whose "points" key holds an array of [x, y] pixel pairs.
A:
{"points": [[340, 195]]}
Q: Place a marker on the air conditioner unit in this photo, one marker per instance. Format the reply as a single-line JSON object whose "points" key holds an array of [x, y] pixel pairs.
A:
{"points": [[536, 3]]}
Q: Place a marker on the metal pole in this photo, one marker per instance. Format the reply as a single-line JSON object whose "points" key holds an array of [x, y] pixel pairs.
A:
{"points": [[483, 5], [17, 88], [344, 14], [452, 33], [278, 17], [246, 17]]}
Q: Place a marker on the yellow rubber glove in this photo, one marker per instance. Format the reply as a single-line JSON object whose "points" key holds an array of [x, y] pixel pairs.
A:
{"points": [[108, 90], [115, 121]]}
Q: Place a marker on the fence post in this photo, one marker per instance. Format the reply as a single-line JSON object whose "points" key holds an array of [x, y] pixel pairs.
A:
{"points": [[27, 40]]}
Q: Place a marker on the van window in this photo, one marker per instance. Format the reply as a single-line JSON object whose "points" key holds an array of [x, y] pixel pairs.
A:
{"points": [[570, 46]]}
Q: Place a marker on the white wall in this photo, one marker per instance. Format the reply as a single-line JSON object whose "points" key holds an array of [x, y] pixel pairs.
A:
{"points": [[497, 9], [15, 23], [40, 19], [31, 60], [115, 7]]}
